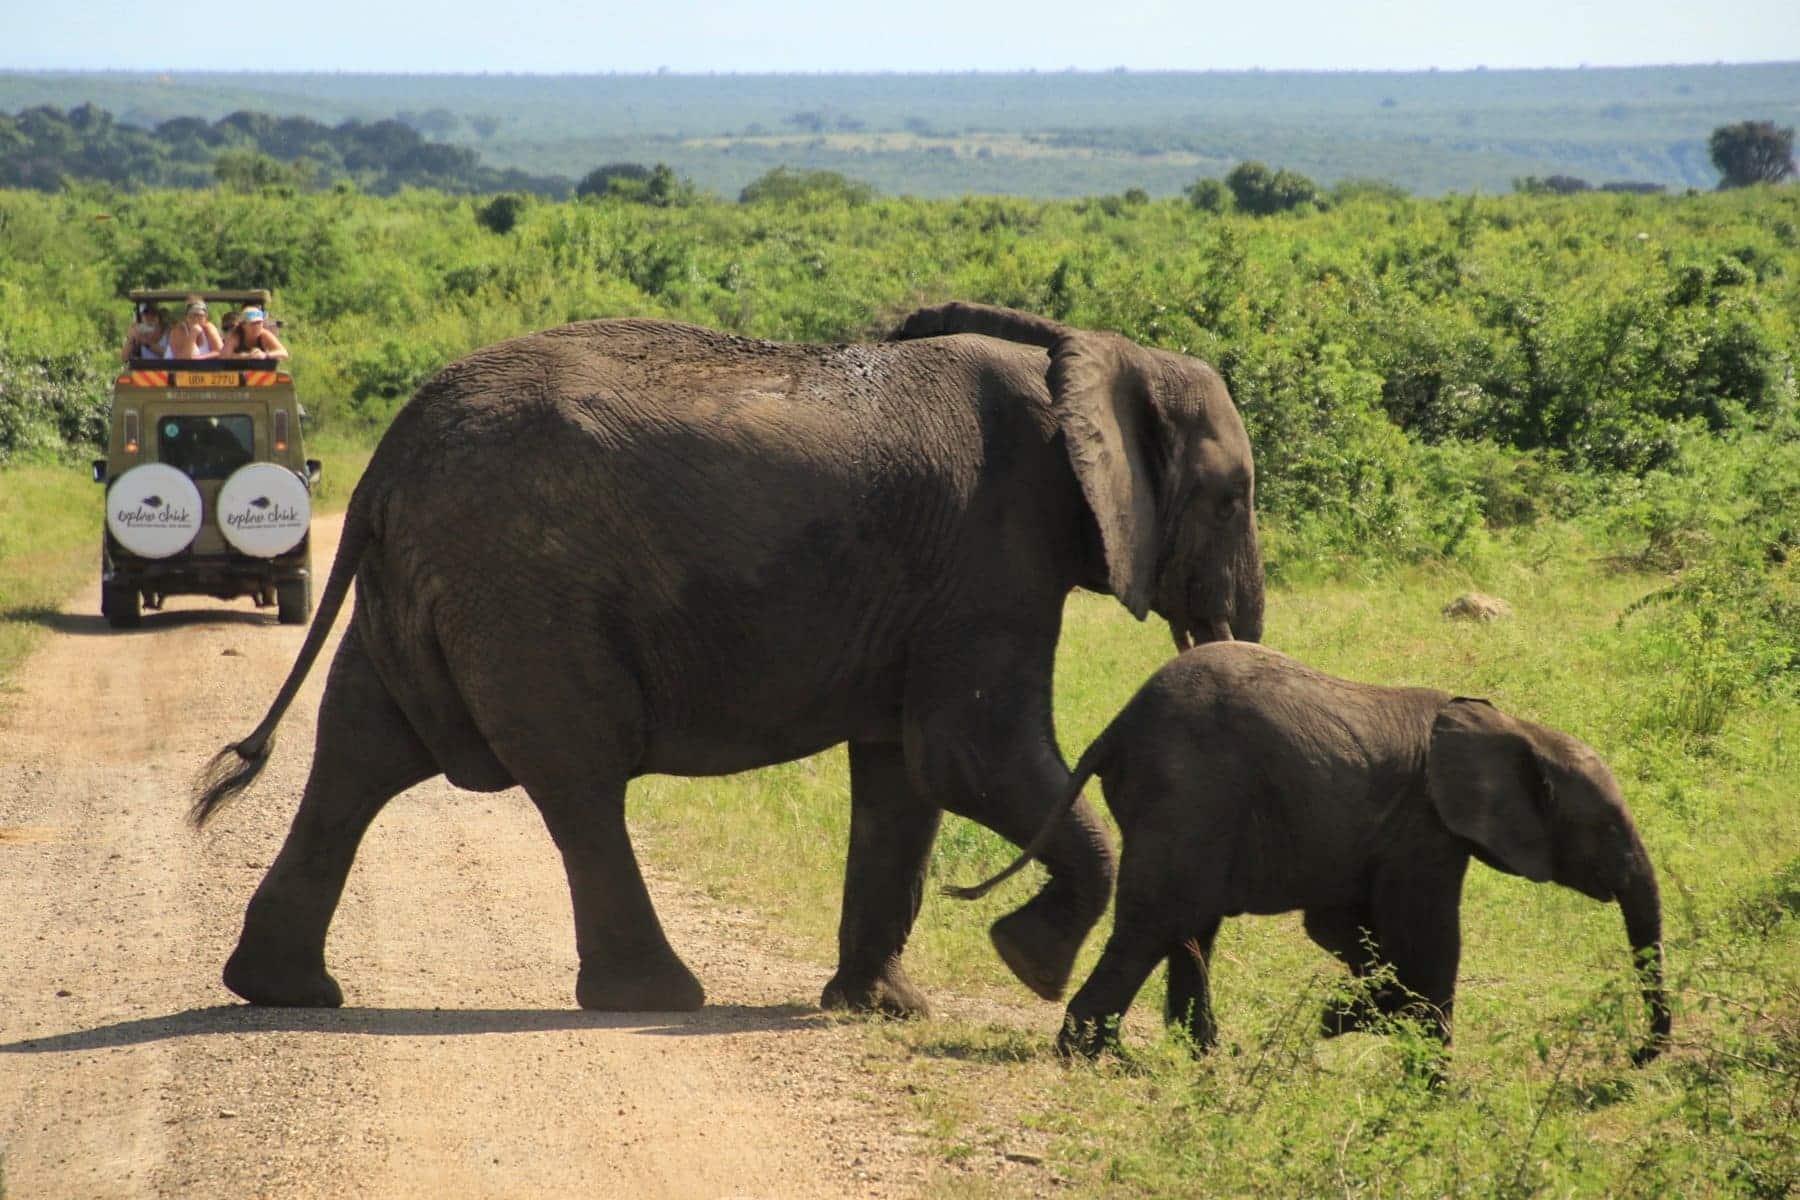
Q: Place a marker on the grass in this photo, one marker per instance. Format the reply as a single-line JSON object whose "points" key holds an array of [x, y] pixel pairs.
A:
{"points": [[49, 543], [1542, 1098]]}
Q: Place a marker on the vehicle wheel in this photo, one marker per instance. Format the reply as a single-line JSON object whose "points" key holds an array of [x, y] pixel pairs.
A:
{"points": [[294, 602], [119, 605]]}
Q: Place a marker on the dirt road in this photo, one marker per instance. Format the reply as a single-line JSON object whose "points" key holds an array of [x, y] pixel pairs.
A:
{"points": [[458, 1068]]}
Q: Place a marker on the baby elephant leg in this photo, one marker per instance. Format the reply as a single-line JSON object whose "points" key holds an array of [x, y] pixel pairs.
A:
{"points": [[1091, 1024], [1189, 1001], [1348, 933]]}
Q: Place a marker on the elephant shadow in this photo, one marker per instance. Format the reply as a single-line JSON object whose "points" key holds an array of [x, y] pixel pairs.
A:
{"points": [[420, 1022]]}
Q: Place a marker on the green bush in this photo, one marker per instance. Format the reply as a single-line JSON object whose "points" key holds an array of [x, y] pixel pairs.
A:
{"points": [[501, 214], [785, 185], [56, 404], [1264, 192], [386, 374]]}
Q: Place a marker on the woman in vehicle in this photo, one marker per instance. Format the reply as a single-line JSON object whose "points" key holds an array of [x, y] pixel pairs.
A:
{"points": [[251, 337], [148, 336], [196, 336]]}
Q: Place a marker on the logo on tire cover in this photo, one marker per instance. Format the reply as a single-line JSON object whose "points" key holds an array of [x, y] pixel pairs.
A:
{"points": [[264, 509]]}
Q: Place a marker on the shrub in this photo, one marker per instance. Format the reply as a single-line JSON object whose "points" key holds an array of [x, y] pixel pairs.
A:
{"points": [[51, 403], [1209, 195], [1264, 192], [502, 213], [784, 185], [386, 375]]}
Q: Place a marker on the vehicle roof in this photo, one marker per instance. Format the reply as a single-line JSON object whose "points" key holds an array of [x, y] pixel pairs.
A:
{"points": [[258, 296]]}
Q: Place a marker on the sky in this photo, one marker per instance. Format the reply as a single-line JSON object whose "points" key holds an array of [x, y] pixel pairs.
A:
{"points": [[697, 36]]}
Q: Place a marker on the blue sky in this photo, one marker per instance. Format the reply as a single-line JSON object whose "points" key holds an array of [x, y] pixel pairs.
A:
{"points": [[921, 35]]}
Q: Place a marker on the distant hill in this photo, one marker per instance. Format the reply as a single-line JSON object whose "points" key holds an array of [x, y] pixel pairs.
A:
{"points": [[1040, 134]]}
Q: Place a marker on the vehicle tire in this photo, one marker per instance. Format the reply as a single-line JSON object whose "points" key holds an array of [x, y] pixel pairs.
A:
{"points": [[119, 605], [293, 602]]}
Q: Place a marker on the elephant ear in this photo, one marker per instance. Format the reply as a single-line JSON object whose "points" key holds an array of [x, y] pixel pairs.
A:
{"points": [[1104, 410], [1488, 785]]}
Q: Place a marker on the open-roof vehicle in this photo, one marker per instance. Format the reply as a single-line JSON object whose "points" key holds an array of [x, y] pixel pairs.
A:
{"points": [[208, 487]]}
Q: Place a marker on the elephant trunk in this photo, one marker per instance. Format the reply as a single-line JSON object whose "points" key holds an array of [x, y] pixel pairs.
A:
{"points": [[1218, 599], [1641, 904], [1247, 604]]}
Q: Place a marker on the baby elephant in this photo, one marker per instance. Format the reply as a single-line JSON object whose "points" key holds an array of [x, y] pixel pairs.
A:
{"points": [[1244, 782]]}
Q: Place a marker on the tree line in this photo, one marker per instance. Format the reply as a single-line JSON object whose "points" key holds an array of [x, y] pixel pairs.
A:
{"points": [[44, 146]]}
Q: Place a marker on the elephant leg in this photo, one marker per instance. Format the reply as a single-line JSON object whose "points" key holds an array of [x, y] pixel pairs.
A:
{"points": [[1188, 1003], [627, 964], [365, 754], [1347, 932], [1418, 927], [1091, 1023], [891, 831], [980, 741]]}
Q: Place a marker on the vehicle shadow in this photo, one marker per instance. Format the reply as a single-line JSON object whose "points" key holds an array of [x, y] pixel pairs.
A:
{"points": [[94, 625], [420, 1022]]}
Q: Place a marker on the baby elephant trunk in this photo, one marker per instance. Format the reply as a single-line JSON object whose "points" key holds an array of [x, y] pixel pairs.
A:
{"points": [[1641, 905]]}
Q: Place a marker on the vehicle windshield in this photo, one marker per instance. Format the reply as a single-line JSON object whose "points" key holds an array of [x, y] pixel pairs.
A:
{"points": [[205, 447]]}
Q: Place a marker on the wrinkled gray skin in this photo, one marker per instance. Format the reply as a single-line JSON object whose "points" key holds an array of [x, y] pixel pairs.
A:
{"points": [[625, 547], [1244, 782]]}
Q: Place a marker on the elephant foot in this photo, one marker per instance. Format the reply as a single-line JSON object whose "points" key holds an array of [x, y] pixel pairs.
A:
{"points": [[1087, 1037], [1340, 1018], [667, 987], [281, 983], [1038, 950], [888, 992], [1360, 1009]]}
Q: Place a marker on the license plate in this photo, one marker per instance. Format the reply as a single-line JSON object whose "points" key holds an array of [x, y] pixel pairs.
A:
{"points": [[206, 379]]}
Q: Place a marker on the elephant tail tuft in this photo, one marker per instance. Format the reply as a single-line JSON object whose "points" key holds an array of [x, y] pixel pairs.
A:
{"points": [[1085, 770], [229, 772]]}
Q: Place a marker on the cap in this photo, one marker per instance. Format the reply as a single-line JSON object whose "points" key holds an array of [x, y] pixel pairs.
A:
{"points": [[251, 314]]}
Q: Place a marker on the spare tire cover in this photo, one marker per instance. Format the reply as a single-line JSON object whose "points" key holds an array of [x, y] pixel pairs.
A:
{"points": [[153, 510], [263, 509]]}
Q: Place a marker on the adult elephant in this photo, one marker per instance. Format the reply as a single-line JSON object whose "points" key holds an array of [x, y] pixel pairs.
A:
{"points": [[624, 547]]}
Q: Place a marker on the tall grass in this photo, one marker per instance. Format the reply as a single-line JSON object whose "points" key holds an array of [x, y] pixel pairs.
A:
{"points": [[49, 543]]}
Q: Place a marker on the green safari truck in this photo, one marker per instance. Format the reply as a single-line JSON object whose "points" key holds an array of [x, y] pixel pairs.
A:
{"points": [[208, 488]]}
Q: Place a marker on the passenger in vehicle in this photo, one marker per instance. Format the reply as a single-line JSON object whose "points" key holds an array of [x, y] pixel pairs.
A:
{"points": [[196, 336], [251, 337], [149, 334]]}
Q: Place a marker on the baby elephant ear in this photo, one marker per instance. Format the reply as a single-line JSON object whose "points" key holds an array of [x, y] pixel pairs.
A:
{"points": [[1488, 786]]}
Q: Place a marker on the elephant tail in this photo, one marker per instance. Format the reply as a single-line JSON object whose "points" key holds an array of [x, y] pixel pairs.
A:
{"points": [[1085, 769], [232, 769]]}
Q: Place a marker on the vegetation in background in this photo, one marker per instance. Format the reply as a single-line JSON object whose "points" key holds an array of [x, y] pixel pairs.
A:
{"points": [[1416, 374], [1585, 404]]}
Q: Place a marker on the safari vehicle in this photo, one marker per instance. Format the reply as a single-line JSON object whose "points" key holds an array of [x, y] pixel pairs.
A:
{"points": [[208, 491]]}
